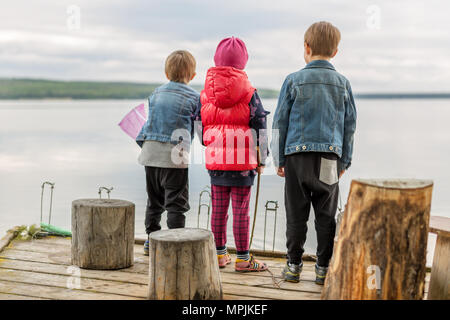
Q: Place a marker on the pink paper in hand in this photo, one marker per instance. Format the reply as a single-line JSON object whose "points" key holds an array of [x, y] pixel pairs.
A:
{"points": [[133, 122]]}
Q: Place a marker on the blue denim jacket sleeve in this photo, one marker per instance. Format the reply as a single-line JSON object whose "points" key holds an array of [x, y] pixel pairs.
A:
{"points": [[349, 130], [280, 124]]}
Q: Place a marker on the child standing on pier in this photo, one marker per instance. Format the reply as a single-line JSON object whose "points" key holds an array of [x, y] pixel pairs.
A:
{"points": [[315, 122], [164, 155], [232, 115]]}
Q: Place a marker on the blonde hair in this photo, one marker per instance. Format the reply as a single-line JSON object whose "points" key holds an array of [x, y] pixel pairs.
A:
{"points": [[323, 38], [180, 66]]}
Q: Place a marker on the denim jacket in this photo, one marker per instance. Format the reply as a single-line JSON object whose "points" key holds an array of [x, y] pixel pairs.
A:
{"points": [[315, 113], [171, 106]]}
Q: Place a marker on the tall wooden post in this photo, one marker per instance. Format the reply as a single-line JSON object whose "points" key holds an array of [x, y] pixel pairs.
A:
{"points": [[183, 265], [381, 248]]}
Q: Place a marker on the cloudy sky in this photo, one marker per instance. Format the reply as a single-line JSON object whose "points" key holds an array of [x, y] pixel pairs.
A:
{"points": [[386, 45]]}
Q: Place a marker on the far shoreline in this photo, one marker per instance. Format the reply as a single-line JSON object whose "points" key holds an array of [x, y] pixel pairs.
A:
{"points": [[42, 89]]}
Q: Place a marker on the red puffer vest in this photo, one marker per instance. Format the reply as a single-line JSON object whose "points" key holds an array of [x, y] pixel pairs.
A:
{"points": [[225, 117]]}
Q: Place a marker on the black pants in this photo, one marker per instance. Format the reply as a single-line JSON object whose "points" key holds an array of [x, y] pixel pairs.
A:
{"points": [[306, 185], [167, 189]]}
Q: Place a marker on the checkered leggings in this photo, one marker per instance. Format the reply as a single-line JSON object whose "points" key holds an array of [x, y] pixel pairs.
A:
{"points": [[240, 197]]}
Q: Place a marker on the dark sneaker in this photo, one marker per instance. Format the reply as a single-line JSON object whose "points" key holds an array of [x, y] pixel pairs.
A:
{"points": [[321, 273], [146, 248], [291, 272]]}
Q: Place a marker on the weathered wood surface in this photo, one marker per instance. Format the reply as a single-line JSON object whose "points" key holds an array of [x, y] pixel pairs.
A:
{"points": [[183, 265], [383, 236], [102, 233], [440, 225], [41, 269], [255, 252], [440, 272], [7, 238]]}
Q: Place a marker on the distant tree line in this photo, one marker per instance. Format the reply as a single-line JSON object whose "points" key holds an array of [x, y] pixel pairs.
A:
{"points": [[41, 89], [51, 89]]}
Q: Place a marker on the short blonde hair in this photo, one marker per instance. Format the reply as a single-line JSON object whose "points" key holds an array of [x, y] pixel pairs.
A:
{"points": [[180, 66], [323, 38]]}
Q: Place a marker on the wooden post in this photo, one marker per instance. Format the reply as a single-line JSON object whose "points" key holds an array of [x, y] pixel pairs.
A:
{"points": [[183, 265], [440, 270], [381, 248], [102, 233]]}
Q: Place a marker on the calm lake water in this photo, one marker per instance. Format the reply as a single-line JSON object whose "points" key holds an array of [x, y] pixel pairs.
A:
{"points": [[79, 146]]}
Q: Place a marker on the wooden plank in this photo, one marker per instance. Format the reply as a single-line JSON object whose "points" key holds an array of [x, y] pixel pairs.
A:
{"points": [[439, 288], [268, 293], [91, 285], [5, 240], [51, 246], [7, 296], [54, 259], [65, 270], [306, 275], [60, 251], [236, 297], [140, 266], [440, 224], [52, 292], [268, 282]]}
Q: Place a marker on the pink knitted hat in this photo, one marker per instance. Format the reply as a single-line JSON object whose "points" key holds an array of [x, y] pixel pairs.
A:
{"points": [[231, 52]]}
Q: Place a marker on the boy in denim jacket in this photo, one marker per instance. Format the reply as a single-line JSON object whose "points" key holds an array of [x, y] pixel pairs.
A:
{"points": [[165, 140], [314, 125]]}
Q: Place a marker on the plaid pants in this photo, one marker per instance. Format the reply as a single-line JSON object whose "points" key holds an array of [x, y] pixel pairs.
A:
{"points": [[240, 197]]}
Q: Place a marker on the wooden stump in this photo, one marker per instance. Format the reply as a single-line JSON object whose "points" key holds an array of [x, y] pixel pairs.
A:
{"points": [[440, 270], [382, 242], [102, 233], [183, 265]]}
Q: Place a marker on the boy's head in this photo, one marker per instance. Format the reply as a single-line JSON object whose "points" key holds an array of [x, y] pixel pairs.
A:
{"points": [[231, 52], [180, 66], [321, 41]]}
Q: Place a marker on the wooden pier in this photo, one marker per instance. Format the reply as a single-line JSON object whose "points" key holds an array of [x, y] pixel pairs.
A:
{"points": [[41, 269]]}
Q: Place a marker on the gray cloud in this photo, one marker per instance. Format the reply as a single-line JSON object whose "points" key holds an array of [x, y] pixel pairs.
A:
{"points": [[129, 40]]}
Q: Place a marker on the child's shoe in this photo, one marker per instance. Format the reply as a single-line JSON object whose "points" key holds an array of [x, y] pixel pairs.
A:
{"points": [[146, 247], [321, 273], [251, 265], [223, 259], [291, 272]]}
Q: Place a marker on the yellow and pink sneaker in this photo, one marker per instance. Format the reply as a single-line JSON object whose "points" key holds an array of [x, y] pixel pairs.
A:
{"points": [[223, 259]]}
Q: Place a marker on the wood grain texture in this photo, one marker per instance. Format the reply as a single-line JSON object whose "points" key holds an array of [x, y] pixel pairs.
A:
{"points": [[183, 266], [383, 236], [102, 233], [6, 239], [440, 273], [40, 269], [440, 225]]}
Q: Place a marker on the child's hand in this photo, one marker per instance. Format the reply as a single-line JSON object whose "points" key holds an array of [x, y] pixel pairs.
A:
{"points": [[341, 173], [260, 169], [280, 171]]}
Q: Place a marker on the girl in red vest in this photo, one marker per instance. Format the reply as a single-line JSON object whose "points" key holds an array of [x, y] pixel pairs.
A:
{"points": [[232, 115]]}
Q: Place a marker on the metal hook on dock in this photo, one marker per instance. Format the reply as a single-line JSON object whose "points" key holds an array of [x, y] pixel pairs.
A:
{"points": [[52, 186], [206, 191], [108, 191], [270, 206]]}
